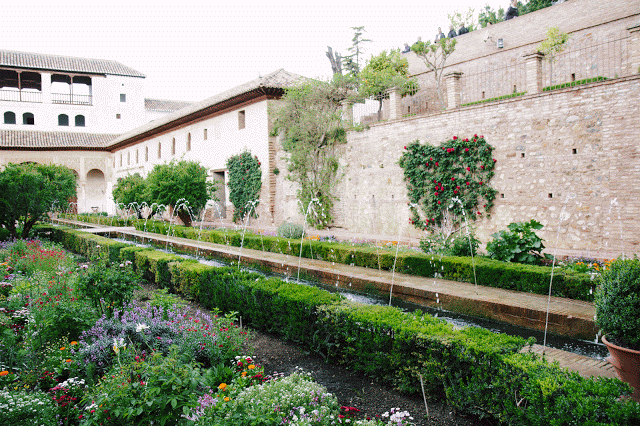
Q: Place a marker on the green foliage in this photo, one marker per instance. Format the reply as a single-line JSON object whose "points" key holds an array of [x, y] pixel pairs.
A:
{"points": [[290, 230], [434, 56], [617, 303], [533, 5], [386, 71], [130, 189], [554, 43], [352, 62], [180, 182], [310, 120], [574, 83], [156, 390], [108, 286], [448, 181], [457, 18], [29, 191], [27, 408], [245, 181], [513, 95], [490, 16], [460, 244], [517, 244]]}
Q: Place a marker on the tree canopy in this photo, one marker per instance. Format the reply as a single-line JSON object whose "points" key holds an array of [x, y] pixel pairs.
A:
{"points": [[182, 184], [130, 189], [310, 121], [245, 182], [29, 191], [384, 71], [434, 56]]}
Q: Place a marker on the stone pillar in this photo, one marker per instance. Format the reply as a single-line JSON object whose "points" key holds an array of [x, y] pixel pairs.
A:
{"points": [[634, 49], [347, 112], [533, 65], [454, 93], [395, 103], [46, 87]]}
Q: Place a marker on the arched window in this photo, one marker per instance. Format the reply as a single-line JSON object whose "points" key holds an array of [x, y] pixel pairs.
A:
{"points": [[27, 118], [9, 117], [79, 120], [63, 120]]}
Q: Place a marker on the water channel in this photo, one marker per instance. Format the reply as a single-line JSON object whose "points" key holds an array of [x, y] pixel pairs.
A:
{"points": [[581, 347]]}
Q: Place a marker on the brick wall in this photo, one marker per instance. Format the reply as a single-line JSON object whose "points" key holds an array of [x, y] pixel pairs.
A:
{"points": [[571, 154]]}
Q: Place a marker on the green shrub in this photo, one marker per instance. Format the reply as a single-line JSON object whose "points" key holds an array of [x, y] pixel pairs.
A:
{"points": [[519, 244], [109, 286], [26, 408], [290, 230], [617, 303]]}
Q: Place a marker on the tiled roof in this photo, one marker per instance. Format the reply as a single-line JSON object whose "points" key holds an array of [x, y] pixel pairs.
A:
{"points": [[27, 139], [279, 79], [40, 61], [162, 105]]}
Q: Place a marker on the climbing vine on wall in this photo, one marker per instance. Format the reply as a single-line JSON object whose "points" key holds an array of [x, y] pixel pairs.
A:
{"points": [[245, 182], [448, 180]]}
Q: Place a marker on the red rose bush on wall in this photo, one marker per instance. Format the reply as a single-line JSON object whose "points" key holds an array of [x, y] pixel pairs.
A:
{"points": [[448, 180]]}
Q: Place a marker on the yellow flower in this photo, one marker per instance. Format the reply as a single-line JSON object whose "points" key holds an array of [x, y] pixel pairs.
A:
{"points": [[222, 386], [251, 367]]}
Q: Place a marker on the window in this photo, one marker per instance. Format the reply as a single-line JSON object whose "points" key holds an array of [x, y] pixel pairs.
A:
{"points": [[188, 141], [136, 156], [9, 117], [79, 120], [159, 149], [241, 116], [146, 153], [63, 120], [118, 116], [123, 97], [205, 134], [128, 158], [173, 146], [27, 118], [120, 159]]}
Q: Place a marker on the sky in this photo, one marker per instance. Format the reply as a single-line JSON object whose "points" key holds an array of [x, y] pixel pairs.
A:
{"points": [[192, 52]]}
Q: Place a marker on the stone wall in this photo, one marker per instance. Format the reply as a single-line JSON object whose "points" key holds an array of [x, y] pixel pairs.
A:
{"points": [[567, 158]]}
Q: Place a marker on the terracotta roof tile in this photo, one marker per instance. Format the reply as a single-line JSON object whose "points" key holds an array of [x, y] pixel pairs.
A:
{"points": [[52, 140], [40, 61]]}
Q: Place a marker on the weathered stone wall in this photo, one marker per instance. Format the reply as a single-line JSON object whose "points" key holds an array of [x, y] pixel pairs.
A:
{"points": [[572, 150]]}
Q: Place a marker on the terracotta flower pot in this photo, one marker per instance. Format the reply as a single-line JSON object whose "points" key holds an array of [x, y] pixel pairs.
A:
{"points": [[627, 365]]}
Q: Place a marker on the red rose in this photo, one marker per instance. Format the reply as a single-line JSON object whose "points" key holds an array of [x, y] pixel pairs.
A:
{"points": [[467, 183], [455, 137], [457, 187], [475, 136], [405, 147], [480, 183], [453, 178], [439, 202], [494, 160], [468, 169], [436, 164], [455, 191], [482, 167], [466, 150]]}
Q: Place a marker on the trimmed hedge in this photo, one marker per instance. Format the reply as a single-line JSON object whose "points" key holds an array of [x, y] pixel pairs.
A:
{"points": [[499, 98], [478, 372], [573, 83], [489, 272]]}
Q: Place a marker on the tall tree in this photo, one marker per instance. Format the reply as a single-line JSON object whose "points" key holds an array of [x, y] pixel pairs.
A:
{"points": [[310, 121], [181, 184], [352, 62], [29, 191], [434, 56], [384, 71], [488, 16], [130, 190], [467, 18]]}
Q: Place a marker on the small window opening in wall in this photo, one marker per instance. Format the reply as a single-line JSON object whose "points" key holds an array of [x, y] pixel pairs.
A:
{"points": [[173, 146], [120, 159], [9, 117], [205, 134], [501, 195], [241, 118], [574, 151], [128, 158], [146, 153], [137, 156], [550, 195], [573, 76], [79, 120], [123, 97], [28, 119], [522, 155], [483, 95], [188, 141], [515, 89], [63, 120], [159, 149], [409, 109], [118, 116]]}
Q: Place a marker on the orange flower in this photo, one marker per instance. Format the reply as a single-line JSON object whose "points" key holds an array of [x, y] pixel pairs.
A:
{"points": [[69, 360], [3, 373], [244, 374], [222, 386], [62, 348], [73, 343], [226, 398], [251, 367]]}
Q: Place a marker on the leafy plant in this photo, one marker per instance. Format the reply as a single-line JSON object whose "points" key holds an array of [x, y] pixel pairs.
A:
{"points": [[290, 230], [245, 181], [517, 244], [109, 286], [617, 303], [449, 181], [552, 46], [130, 189], [352, 62], [434, 56]]}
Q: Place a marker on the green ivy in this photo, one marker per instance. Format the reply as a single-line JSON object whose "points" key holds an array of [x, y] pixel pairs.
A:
{"points": [[245, 182], [438, 175]]}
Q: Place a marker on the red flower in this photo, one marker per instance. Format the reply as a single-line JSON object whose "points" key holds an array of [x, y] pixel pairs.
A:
{"points": [[475, 136], [494, 160], [436, 194], [453, 178], [467, 183], [405, 147], [439, 202], [480, 182], [455, 191], [468, 169], [482, 167], [466, 150], [436, 164], [455, 137], [457, 187]]}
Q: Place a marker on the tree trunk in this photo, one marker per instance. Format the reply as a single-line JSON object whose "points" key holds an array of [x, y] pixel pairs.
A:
{"points": [[184, 217]]}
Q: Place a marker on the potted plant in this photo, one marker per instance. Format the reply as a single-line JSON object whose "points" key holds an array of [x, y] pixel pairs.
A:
{"points": [[617, 303]]}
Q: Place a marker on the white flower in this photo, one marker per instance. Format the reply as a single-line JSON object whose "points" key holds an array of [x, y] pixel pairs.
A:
{"points": [[140, 327]]}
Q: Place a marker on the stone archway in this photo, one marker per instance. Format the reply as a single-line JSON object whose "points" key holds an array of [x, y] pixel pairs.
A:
{"points": [[95, 191]]}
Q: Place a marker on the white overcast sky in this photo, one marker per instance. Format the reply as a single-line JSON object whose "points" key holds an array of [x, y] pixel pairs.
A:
{"points": [[190, 52]]}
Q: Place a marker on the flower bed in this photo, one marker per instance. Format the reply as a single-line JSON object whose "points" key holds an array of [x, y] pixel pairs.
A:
{"points": [[475, 370]]}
